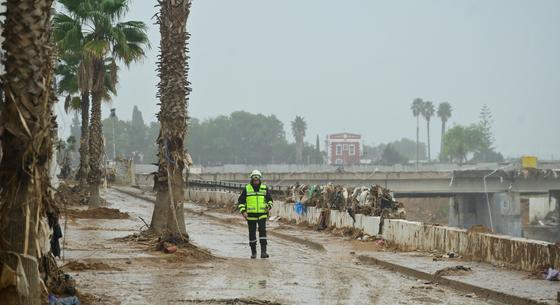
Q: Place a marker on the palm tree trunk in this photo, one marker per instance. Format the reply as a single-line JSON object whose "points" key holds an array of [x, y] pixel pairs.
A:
{"points": [[96, 136], [168, 216], [84, 141], [429, 152], [417, 140], [441, 141], [26, 140], [299, 150]]}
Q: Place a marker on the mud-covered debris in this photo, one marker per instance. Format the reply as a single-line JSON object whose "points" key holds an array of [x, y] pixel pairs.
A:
{"points": [[169, 248], [373, 200], [479, 229], [452, 271]]}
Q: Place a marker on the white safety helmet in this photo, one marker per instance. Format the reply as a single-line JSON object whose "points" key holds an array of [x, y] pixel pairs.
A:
{"points": [[255, 173]]}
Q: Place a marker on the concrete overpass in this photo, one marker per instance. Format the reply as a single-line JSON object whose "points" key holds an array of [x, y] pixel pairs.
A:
{"points": [[487, 197], [418, 184]]}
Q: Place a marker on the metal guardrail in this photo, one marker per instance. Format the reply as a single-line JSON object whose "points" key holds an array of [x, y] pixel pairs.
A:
{"points": [[230, 186]]}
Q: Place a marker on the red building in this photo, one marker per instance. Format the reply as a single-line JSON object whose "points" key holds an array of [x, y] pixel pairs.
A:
{"points": [[344, 148]]}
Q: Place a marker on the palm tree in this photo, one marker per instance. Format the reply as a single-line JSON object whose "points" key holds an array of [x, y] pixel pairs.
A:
{"points": [[173, 92], [77, 100], [26, 140], [69, 84], [416, 108], [428, 111], [103, 40], [444, 113], [299, 127]]}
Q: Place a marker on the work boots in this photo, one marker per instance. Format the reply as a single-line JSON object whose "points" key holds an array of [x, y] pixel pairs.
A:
{"points": [[253, 251], [263, 251]]}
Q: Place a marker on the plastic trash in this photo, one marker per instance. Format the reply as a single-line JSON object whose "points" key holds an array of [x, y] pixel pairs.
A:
{"points": [[299, 208], [53, 300], [552, 275]]}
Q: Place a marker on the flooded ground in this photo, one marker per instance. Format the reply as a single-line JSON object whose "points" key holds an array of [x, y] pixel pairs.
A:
{"points": [[305, 267]]}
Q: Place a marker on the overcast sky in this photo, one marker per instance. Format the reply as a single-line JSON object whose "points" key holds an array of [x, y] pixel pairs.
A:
{"points": [[356, 66]]}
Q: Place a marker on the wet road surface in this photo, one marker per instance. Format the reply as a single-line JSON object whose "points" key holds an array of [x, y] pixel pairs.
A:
{"points": [[299, 271]]}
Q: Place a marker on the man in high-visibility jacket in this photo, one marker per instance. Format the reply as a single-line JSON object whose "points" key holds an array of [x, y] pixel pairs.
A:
{"points": [[255, 203]]}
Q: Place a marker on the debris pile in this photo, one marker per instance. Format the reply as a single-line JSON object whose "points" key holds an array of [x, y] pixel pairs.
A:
{"points": [[371, 201]]}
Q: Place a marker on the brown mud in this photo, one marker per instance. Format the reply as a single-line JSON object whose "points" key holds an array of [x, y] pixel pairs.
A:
{"points": [[186, 251], [229, 302], [90, 265], [296, 273], [96, 213], [72, 195], [478, 229]]}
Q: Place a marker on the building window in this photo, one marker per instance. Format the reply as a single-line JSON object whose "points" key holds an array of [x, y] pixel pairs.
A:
{"points": [[339, 161], [345, 147], [338, 149], [352, 150]]}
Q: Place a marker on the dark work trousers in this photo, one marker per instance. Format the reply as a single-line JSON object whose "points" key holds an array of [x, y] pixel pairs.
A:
{"points": [[253, 231]]}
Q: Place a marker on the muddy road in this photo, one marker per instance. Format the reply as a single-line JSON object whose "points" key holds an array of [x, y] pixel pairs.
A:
{"points": [[305, 267]]}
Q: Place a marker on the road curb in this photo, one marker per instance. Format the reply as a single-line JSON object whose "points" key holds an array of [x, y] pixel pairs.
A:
{"points": [[457, 285]]}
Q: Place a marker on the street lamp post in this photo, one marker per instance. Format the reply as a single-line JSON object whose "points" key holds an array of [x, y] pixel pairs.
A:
{"points": [[114, 116]]}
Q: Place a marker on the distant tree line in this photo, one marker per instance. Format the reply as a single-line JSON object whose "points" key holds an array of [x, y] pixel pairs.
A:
{"points": [[246, 138], [238, 138]]}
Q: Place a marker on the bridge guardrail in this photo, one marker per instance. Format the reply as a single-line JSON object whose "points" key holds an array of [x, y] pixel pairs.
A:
{"points": [[230, 186]]}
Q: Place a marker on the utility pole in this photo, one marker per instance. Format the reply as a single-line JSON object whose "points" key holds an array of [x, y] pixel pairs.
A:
{"points": [[114, 117]]}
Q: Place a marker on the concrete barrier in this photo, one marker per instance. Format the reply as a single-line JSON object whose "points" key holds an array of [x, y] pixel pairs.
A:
{"points": [[513, 252]]}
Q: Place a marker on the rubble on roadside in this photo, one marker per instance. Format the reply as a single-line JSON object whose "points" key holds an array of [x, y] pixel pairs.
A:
{"points": [[374, 200]]}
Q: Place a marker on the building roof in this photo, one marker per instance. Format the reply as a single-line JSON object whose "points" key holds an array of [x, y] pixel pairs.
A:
{"points": [[344, 135]]}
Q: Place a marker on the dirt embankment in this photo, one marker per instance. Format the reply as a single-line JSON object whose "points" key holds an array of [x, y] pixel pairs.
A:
{"points": [[96, 213], [90, 265], [72, 195]]}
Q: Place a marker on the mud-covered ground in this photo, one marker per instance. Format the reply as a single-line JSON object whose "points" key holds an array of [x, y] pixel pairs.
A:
{"points": [[306, 267]]}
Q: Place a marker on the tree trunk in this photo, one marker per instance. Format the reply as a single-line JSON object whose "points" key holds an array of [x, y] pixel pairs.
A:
{"points": [[429, 152], [299, 150], [84, 141], [95, 142], [26, 138], [441, 141], [417, 140], [173, 90]]}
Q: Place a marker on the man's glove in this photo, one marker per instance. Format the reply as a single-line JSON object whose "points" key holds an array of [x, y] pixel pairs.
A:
{"points": [[244, 215]]}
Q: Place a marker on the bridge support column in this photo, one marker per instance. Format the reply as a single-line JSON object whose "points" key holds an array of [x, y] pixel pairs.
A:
{"points": [[504, 215]]}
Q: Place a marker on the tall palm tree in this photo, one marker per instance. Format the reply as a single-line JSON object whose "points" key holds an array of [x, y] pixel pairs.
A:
{"points": [[299, 126], [173, 92], [428, 111], [26, 126], [416, 108], [95, 24], [69, 84], [444, 113]]}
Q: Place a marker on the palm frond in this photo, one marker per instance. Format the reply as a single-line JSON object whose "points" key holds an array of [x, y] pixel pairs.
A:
{"points": [[72, 103]]}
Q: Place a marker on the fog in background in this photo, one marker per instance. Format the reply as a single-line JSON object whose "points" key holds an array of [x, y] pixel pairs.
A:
{"points": [[357, 65]]}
